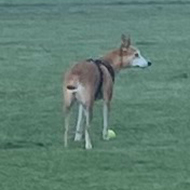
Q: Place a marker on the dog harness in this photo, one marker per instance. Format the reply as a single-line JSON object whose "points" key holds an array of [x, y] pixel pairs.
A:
{"points": [[98, 63]]}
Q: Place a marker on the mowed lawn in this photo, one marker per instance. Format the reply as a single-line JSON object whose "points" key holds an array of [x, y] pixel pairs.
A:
{"points": [[150, 114]]}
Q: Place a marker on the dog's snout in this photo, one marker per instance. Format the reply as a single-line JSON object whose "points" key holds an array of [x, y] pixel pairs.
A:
{"points": [[149, 63]]}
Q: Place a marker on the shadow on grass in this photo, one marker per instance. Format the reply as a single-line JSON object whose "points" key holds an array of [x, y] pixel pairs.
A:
{"points": [[133, 3], [22, 144], [182, 75], [25, 5], [118, 3], [146, 43]]}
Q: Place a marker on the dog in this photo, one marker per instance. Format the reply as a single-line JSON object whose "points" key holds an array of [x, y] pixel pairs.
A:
{"points": [[90, 80]]}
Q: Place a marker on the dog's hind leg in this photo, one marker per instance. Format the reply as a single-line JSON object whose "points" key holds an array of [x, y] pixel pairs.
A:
{"points": [[68, 100], [67, 116], [79, 130]]}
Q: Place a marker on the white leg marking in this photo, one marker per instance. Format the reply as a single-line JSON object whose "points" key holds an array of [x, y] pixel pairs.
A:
{"points": [[105, 124], [78, 134], [88, 144]]}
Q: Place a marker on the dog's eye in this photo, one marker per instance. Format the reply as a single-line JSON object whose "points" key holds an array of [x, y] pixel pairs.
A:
{"points": [[136, 55]]}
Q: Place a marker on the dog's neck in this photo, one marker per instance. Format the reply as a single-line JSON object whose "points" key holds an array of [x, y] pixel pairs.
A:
{"points": [[114, 58]]}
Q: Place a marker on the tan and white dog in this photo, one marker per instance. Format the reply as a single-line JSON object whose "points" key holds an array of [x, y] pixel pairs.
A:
{"points": [[94, 79]]}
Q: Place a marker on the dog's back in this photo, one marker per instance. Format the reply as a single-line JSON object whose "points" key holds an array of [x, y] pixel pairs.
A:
{"points": [[81, 82]]}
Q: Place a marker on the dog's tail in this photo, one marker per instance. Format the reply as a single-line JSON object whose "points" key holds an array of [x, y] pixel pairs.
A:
{"points": [[72, 84], [71, 87]]}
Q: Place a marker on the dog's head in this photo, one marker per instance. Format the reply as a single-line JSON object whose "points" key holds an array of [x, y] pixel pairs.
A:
{"points": [[131, 56]]}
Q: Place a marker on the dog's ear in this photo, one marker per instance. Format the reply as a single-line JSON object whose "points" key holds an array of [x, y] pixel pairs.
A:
{"points": [[125, 42]]}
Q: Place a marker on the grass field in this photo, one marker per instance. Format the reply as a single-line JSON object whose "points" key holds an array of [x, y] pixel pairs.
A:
{"points": [[39, 40]]}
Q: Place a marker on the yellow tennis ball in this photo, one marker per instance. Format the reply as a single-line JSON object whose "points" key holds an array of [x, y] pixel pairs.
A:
{"points": [[111, 134]]}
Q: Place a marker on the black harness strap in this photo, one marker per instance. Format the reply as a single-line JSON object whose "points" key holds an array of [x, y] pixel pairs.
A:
{"points": [[107, 66], [98, 63]]}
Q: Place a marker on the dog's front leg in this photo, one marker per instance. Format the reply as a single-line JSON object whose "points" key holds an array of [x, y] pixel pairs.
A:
{"points": [[79, 129], [105, 121]]}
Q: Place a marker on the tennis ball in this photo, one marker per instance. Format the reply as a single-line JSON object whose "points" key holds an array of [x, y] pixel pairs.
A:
{"points": [[111, 134]]}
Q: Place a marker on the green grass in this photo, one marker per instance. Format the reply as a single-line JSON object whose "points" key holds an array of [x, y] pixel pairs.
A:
{"points": [[150, 109]]}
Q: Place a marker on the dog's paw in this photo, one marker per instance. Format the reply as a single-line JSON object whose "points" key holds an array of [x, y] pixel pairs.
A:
{"points": [[78, 137], [105, 137], [88, 146]]}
